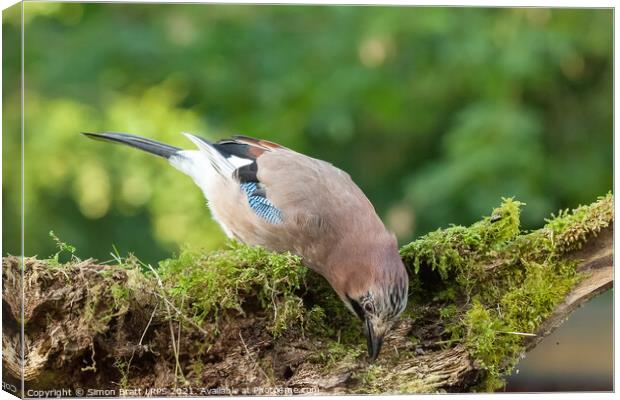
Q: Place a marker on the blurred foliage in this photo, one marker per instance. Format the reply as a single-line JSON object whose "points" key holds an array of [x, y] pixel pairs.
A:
{"points": [[435, 112]]}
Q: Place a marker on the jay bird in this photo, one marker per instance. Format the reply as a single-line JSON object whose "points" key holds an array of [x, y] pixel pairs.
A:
{"points": [[265, 194]]}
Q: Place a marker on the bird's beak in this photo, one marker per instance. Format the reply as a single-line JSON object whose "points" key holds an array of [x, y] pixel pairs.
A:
{"points": [[374, 341]]}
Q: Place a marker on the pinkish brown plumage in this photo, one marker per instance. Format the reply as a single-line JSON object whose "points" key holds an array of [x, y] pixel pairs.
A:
{"points": [[264, 194]]}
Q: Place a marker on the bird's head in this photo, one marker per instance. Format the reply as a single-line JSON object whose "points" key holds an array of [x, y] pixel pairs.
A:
{"points": [[378, 301]]}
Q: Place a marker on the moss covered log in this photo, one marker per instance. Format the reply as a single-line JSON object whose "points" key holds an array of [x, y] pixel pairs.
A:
{"points": [[244, 320]]}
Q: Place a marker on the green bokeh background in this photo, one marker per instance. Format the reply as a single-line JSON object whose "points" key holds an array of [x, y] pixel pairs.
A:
{"points": [[435, 112]]}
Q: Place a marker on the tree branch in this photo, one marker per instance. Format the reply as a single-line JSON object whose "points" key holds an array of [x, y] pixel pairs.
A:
{"points": [[103, 326]]}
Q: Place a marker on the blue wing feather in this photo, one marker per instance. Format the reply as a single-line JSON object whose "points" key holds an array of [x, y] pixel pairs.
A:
{"points": [[260, 204]]}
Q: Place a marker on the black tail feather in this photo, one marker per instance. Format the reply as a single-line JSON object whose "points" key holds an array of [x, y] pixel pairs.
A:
{"points": [[148, 145]]}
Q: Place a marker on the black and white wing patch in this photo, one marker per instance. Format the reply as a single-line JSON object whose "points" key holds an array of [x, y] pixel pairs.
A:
{"points": [[244, 155], [236, 158]]}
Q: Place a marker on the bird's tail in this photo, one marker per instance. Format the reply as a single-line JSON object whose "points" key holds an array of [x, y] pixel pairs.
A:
{"points": [[148, 145]]}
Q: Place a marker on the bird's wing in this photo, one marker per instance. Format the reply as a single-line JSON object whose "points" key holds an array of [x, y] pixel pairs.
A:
{"points": [[257, 143], [294, 202], [235, 159], [277, 181], [310, 190], [321, 205]]}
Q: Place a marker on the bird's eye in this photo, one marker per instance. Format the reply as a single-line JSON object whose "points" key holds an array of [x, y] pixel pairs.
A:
{"points": [[369, 308]]}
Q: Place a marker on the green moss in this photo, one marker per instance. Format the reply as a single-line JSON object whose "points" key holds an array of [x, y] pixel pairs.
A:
{"points": [[414, 386], [334, 352], [209, 284], [98, 309], [496, 283], [328, 317], [122, 367], [486, 346], [120, 295], [66, 252], [286, 312], [452, 249], [448, 312], [486, 285], [570, 229], [369, 378]]}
